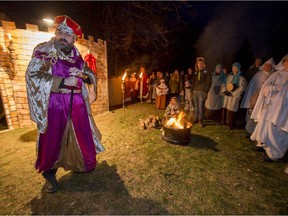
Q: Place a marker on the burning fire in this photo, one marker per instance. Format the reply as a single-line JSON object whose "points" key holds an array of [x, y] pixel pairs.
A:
{"points": [[178, 122]]}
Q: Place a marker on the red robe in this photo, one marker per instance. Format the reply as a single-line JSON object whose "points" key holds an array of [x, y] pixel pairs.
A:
{"points": [[145, 85]]}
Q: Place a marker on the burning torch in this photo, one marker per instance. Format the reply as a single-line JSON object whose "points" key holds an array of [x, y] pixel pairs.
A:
{"points": [[123, 90], [12, 54], [141, 86]]}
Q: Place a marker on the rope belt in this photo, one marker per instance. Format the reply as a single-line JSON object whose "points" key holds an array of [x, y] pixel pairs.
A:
{"points": [[68, 91]]}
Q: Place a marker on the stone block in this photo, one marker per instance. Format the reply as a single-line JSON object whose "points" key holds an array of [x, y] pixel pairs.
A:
{"points": [[27, 122], [17, 87], [20, 100], [31, 27], [9, 92], [25, 106], [26, 117], [51, 29], [13, 114], [4, 63], [19, 106], [22, 94], [90, 38], [21, 40], [8, 25], [24, 112], [23, 68], [22, 62], [15, 125]]}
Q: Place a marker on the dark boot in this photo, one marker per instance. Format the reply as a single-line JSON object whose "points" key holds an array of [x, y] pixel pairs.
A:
{"points": [[267, 159], [195, 121], [223, 116], [50, 176], [201, 125]]}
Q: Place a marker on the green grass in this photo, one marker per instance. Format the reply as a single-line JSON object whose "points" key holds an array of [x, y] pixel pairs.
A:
{"points": [[139, 173]]}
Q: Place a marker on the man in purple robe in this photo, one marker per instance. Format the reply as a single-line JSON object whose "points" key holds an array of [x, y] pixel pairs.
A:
{"points": [[60, 89]]}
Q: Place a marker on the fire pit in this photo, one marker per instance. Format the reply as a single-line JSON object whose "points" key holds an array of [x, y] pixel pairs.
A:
{"points": [[176, 130]]}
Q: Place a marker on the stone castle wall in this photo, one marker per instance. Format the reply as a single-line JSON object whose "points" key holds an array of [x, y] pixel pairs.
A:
{"points": [[12, 76]]}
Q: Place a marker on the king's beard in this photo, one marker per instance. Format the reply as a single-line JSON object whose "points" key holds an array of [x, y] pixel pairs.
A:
{"points": [[64, 45]]}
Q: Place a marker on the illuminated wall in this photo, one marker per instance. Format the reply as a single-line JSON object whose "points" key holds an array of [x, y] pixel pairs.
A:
{"points": [[12, 78]]}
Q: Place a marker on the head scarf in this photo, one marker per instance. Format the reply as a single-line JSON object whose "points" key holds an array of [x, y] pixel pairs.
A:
{"points": [[235, 79], [222, 76], [175, 107], [270, 61], [280, 65]]}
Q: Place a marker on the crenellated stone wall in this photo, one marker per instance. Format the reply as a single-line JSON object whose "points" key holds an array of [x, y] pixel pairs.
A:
{"points": [[12, 76]]}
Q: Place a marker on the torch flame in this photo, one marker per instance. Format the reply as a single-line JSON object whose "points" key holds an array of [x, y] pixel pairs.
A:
{"points": [[123, 77], [9, 36]]}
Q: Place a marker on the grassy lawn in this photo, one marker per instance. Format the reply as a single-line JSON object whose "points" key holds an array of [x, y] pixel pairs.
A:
{"points": [[139, 173]]}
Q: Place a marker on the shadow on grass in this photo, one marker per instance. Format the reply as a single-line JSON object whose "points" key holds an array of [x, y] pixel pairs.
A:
{"points": [[30, 136], [198, 141], [99, 192]]}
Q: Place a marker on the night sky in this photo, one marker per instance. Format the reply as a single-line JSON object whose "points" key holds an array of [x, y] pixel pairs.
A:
{"points": [[222, 32]]}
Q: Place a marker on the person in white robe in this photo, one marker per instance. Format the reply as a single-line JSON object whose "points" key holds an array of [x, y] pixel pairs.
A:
{"points": [[232, 91], [252, 92], [214, 99], [188, 95], [271, 113]]}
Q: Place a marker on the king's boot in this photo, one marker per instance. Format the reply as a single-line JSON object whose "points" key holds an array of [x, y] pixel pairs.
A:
{"points": [[50, 176]]}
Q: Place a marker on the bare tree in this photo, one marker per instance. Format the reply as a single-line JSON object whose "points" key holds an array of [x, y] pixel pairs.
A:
{"points": [[138, 24], [131, 27]]}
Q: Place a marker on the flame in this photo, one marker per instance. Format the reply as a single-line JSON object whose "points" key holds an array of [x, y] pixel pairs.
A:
{"points": [[141, 75], [9, 36], [123, 77], [174, 123], [178, 122]]}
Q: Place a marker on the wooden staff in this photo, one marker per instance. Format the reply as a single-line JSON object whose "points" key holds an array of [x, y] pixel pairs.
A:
{"points": [[70, 114]]}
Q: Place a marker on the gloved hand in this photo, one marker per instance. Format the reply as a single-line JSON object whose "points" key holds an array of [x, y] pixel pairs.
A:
{"points": [[227, 93], [75, 72], [71, 81]]}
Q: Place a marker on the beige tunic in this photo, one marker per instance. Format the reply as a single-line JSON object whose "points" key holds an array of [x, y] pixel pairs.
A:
{"points": [[232, 102]]}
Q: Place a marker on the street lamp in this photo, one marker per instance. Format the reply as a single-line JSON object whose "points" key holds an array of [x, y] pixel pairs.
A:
{"points": [[50, 25], [49, 21]]}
